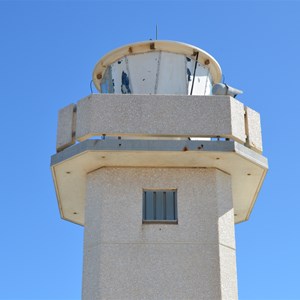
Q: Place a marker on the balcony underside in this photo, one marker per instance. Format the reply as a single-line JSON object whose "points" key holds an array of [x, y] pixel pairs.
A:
{"points": [[70, 166]]}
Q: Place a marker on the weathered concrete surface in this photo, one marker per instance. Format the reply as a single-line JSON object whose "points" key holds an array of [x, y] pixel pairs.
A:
{"points": [[160, 115], [253, 130], [125, 259], [66, 127]]}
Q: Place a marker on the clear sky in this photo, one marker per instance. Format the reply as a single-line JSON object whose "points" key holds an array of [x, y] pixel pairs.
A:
{"points": [[48, 50]]}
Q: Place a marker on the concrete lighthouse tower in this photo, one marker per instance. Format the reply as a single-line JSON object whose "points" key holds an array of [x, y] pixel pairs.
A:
{"points": [[158, 169]]}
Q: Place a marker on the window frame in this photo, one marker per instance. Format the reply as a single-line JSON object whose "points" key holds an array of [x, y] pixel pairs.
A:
{"points": [[163, 220]]}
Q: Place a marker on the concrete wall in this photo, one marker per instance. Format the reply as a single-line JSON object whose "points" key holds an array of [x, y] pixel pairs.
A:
{"points": [[125, 259], [160, 115], [253, 130], [66, 127]]}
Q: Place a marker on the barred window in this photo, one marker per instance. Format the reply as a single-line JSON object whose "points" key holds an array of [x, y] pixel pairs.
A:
{"points": [[160, 206]]}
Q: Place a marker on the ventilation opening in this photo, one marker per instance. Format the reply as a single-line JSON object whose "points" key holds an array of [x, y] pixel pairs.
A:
{"points": [[160, 206]]}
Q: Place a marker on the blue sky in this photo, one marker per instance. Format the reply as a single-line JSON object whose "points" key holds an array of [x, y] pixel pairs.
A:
{"points": [[47, 54]]}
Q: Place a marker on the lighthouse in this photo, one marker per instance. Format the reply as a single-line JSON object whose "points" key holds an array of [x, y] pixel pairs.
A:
{"points": [[158, 167]]}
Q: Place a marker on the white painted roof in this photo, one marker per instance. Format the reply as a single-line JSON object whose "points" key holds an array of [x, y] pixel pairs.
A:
{"points": [[189, 51]]}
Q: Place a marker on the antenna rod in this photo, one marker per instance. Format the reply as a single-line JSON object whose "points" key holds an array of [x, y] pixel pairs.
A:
{"points": [[156, 32]]}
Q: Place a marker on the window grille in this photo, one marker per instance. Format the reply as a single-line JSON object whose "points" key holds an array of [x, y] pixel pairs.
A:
{"points": [[160, 206]]}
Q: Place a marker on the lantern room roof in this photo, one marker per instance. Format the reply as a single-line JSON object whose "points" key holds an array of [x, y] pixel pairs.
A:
{"points": [[151, 46]]}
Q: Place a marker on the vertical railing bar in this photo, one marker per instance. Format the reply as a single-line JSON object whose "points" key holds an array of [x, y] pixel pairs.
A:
{"points": [[175, 205], [154, 205], [144, 205], [165, 205]]}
